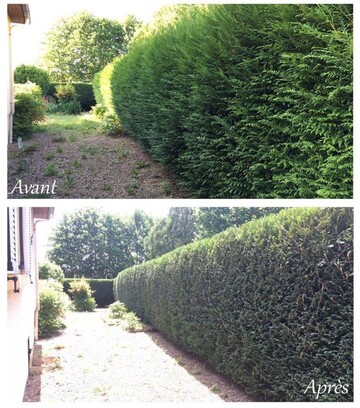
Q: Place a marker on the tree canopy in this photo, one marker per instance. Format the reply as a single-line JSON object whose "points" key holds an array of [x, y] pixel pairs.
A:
{"points": [[95, 244], [76, 48], [92, 244]]}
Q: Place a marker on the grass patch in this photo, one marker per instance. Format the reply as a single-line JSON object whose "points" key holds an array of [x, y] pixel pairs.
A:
{"points": [[49, 155], [59, 139], [33, 147], [51, 170], [70, 125]]}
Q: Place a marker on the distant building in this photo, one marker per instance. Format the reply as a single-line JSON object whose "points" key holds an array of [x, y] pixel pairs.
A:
{"points": [[17, 14], [22, 294]]}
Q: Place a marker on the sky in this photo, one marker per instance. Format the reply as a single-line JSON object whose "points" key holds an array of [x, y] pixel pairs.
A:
{"points": [[26, 40]]}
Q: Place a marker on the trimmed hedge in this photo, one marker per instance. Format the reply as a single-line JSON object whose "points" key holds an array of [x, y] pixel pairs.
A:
{"points": [[262, 108], [269, 304], [84, 92], [103, 290]]}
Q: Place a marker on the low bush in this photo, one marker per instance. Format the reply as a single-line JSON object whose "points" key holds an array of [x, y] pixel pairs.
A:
{"points": [[98, 110], [127, 320], [102, 290], [110, 125], [117, 310], [54, 304], [84, 92], [81, 295], [29, 109], [269, 304], [30, 73], [68, 102], [49, 270]]}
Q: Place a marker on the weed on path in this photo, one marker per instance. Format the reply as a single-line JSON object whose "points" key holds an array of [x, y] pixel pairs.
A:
{"points": [[69, 158]]}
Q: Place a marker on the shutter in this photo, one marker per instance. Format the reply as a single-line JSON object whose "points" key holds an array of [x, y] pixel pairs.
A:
{"points": [[12, 239], [26, 241]]}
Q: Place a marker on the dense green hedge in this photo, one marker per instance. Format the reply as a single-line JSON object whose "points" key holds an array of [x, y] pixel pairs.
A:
{"points": [[102, 87], [84, 91], [261, 108], [269, 304], [103, 288]]}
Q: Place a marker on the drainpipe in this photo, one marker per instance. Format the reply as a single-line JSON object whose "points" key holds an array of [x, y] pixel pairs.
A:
{"points": [[11, 99], [36, 283]]}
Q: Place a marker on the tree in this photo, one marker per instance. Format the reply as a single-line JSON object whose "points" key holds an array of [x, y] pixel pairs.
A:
{"points": [[212, 220], [131, 25], [78, 47], [177, 229], [89, 243], [49, 270], [139, 228]]}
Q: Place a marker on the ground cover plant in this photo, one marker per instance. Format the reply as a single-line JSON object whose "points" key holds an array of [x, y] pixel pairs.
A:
{"points": [[74, 152], [262, 108], [270, 304]]}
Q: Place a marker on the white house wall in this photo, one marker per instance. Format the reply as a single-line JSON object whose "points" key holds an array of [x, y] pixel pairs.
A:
{"points": [[20, 324]]}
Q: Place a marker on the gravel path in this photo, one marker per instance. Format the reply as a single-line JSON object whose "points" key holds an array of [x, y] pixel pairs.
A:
{"points": [[92, 361]]}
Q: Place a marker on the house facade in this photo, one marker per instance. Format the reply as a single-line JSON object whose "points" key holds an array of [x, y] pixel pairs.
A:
{"points": [[22, 294], [16, 14]]}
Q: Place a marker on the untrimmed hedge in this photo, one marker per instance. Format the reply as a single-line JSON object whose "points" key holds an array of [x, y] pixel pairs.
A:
{"points": [[269, 304], [244, 101], [84, 91], [103, 290], [102, 87]]}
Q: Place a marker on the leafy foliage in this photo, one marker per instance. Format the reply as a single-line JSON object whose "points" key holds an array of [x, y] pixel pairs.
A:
{"points": [[102, 87], [54, 304], [84, 93], [81, 295], [177, 229], [80, 46], [30, 73], [262, 108], [49, 270], [102, 290], [29, 109], [68, 101], [93, 244], [269, 304]]}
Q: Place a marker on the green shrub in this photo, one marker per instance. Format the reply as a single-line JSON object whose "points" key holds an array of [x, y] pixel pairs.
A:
{"points": [[84, 92], [68, 101], [29, 109], [54, 304], [132, 322], [117, 310], [102, 290], [110, 125], [261, 109], [128, 320], [49, 270], [98, 110], [269, 304], [30, 73], [81, 295]]}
